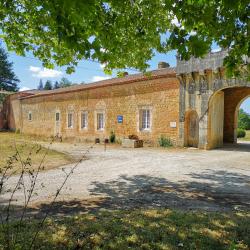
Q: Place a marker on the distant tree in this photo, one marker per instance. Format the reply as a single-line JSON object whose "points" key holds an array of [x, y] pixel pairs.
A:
{"points": [[64, 82], [8, 79], [40, 85], [243, 120], [48, 85], [56, 85]]}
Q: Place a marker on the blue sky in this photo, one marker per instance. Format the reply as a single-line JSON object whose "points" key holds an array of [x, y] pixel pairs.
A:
{"points": [[30, 70]]}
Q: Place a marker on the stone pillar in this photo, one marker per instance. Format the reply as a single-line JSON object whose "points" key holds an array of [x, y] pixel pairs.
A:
{"points": [[182, 108]]}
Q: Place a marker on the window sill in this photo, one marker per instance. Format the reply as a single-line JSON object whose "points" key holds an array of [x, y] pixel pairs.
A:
{"points": [[100, 130], [145, 130], [83, 129]]}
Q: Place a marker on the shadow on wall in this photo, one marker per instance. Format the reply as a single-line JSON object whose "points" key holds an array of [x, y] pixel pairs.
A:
{"points": [[210, 191]]}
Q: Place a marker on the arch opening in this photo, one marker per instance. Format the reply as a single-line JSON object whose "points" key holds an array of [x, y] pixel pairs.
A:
{"points": [[223, 115], [242, 118]]}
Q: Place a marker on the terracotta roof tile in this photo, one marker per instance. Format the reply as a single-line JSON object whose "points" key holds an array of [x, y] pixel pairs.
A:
{"points": [[160, 73]]}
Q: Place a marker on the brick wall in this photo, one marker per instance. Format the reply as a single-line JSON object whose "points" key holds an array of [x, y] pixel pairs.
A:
{"points": [[160, 95]]}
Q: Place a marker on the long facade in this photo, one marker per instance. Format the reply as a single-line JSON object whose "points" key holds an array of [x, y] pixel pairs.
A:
{"points": [[135, 105], [194, 104]]}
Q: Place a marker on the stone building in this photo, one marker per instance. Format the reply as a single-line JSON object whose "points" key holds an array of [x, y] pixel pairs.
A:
{"points": [[193, 104]]}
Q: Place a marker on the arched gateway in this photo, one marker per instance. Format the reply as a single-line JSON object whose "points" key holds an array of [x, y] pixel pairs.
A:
{"points": [[206, 91]]}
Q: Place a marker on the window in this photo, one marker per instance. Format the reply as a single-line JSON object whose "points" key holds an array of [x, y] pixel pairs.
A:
{"points": [[70, 120], [145, 119], [100, 121], [57, 116], [84, 120], [30, 116]]}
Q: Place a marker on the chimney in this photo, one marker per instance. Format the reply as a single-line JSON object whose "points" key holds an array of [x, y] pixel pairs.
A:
{"points": [[163, 65]]}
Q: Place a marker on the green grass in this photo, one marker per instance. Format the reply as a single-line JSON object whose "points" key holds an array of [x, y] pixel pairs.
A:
{"points": [[138, 229], [247, 137], [28, 148]]}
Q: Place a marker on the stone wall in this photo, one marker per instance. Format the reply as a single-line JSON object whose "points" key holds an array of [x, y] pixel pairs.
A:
{"points": [[159, 95], [216, 120]]}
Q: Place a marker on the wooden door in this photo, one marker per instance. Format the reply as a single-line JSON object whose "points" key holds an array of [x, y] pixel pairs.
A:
{"points": [[193, 129]]}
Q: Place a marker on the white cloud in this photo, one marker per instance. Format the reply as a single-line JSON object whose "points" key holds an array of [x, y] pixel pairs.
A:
{"points": [[34, 69], [175, 22], [45, 73], [99, 78], [24, 88], [103, 65], [193, 33], [216, 50]]}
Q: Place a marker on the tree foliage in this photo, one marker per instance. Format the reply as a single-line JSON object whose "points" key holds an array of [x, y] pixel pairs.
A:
{"points": [[56, 85], [64, 82], [40, 85], [8, 79], [126, 33], [48, 85], [243, 120]]}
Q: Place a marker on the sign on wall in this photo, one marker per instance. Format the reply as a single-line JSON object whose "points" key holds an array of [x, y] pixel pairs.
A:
{"points": [[120, 119], [172, 124]]}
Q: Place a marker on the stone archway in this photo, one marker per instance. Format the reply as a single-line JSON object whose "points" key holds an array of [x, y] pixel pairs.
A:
{"points": [[192, 129], [205, 88], [233, 97]]}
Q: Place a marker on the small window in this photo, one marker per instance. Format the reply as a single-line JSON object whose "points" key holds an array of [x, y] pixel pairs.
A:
{"points": [[30, 116], [84, 120], [70, 120], [57, 116], [100, 121], [145, 119]]}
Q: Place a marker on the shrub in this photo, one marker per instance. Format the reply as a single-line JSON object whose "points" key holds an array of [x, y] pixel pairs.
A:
{"points": [[243, 120], [112, 137], [241, 133], [165, 142]]}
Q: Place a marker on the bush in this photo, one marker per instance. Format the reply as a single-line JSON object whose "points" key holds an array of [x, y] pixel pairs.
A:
{"points": [[112, 137], [165, 142], [243, 120], [241, 133]]}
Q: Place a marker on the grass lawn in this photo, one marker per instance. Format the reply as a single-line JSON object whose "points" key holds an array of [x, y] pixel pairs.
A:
{"points": [[30, 152], [247, 137], [138, 229]]}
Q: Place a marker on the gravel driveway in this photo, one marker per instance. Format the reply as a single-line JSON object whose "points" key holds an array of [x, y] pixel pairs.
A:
{"points": [[131, 178]]}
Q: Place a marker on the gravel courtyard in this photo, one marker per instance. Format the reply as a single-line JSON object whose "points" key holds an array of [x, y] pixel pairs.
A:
{"points": [[187, 179]]}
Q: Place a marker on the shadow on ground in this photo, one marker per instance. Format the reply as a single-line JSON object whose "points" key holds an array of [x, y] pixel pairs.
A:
{"points": [[241, 146], [209, 191]]}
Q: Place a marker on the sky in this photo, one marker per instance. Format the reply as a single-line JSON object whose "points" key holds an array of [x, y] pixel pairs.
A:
{"points": [[29, 70]]}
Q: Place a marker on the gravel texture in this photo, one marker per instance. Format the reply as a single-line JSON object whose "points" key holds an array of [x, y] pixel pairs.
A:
{"points": [[215, 180]]}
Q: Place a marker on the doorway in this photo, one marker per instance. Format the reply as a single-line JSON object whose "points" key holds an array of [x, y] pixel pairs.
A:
{"points": [[192, 129]]}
